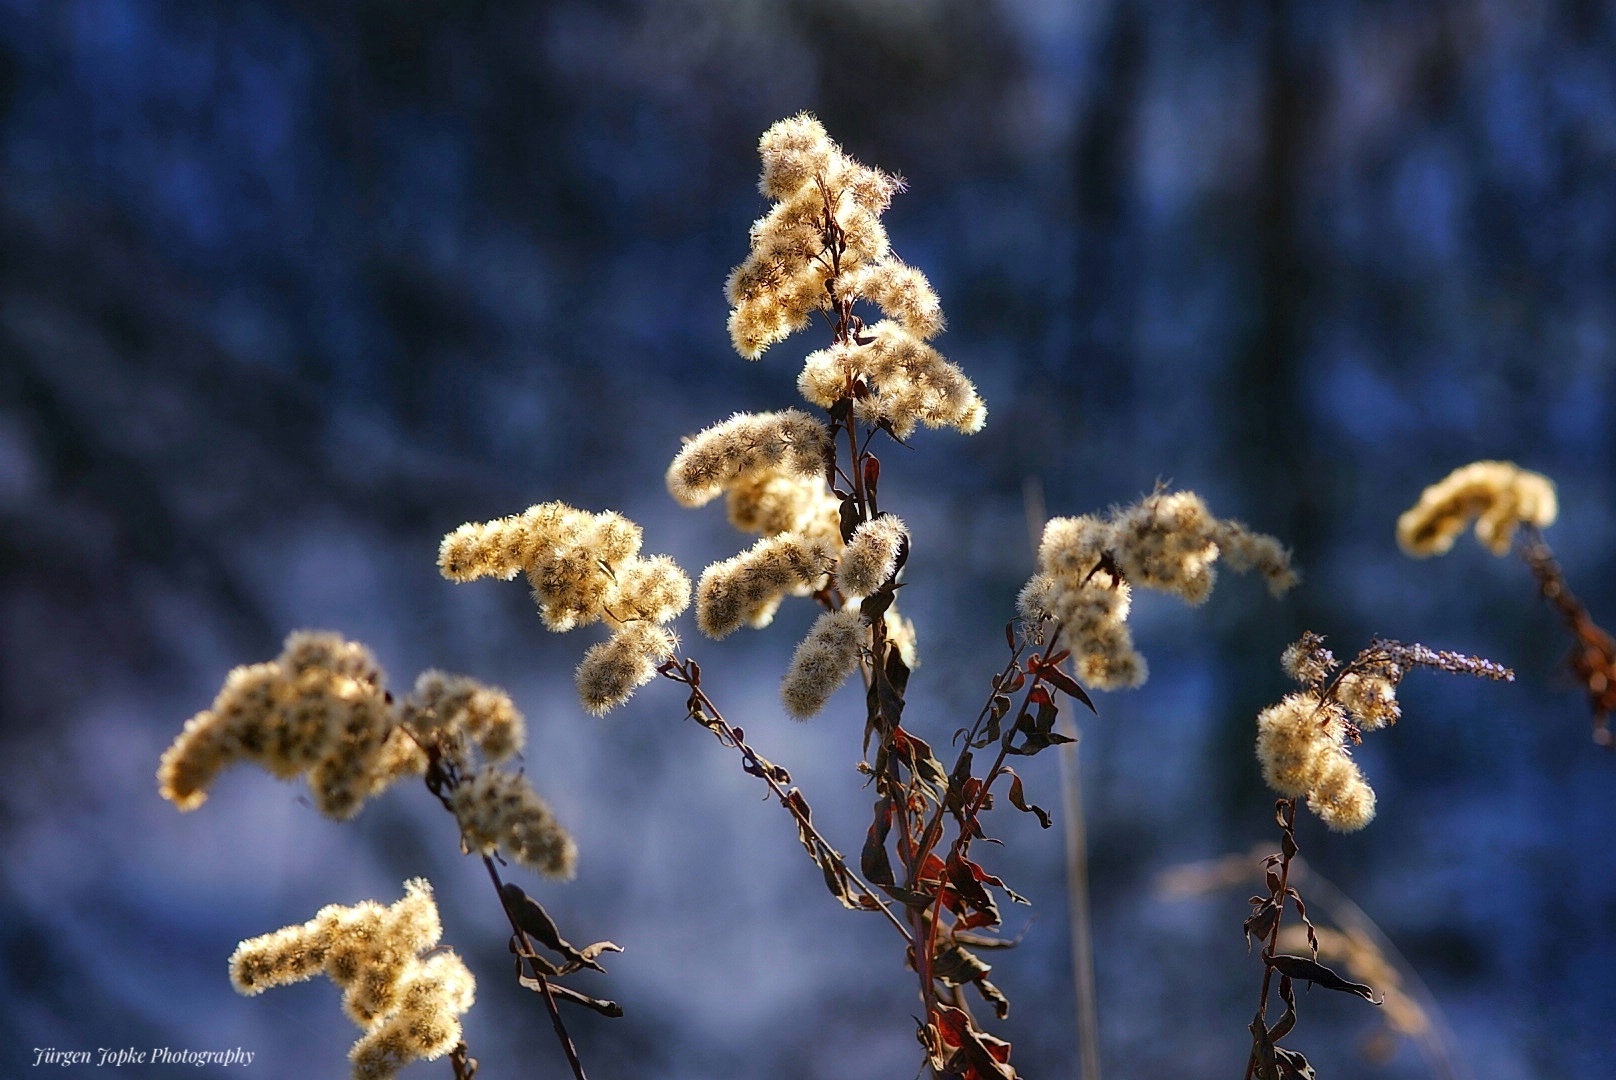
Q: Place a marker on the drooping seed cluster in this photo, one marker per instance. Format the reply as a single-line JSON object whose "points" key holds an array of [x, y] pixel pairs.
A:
{"points": [[498, 809], [746, 447], [1303, 741], [776, 502], [1498, 495], [586, 568], [320, 709], [408, 1007], [822, 246], [450, 710], [823, 661], [1167, 541], [746, 589], [871, 556]]}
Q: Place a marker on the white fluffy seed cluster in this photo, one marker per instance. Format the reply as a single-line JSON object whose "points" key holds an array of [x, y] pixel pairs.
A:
{"points": [[822, 245], [776, 502], [746, 589], [893, 377], [1167, 541], [823, 661], [408, 1007], [319, 710], [1498, 495], [450, 710], [1301, 745], [583, 567], [499, 810], [871, 556], [782, 282], [587, 568], [746, 447], [1302, 742]]}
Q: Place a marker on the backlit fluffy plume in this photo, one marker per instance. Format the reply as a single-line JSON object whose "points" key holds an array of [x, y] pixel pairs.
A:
{"points": [[823, 661], [448, 710], [822, 247], [614, 669], [1303, 741], [894, 378], [586, 568], [1498, 495], [746, 589], [745, 446], [1167, 541], [871, 556], [319, 710], [408, 1007], [500, 810], [775, 502]]}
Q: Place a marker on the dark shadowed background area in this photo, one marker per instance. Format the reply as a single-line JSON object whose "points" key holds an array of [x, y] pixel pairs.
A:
{"points": [[289, 290]]}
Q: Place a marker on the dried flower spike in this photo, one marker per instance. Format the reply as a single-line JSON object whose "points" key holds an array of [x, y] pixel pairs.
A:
{"points": [[500, 810], [1498, 495], [1303, 742], [586, 568], [320, 710], [1167, 541], [409, 1007]]}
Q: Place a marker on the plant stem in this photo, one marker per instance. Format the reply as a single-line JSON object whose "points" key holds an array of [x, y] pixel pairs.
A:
{"points": [[538, 976]]}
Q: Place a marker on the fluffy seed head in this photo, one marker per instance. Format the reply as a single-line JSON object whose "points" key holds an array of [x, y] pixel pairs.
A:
{"points": [[746, 589], [871, 556], [612, 670], [746, 445], [1498, 495], [822, 662], [500, 810]]}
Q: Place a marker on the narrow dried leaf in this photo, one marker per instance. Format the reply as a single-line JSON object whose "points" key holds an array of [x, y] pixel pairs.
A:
{"points": [[1300, 967], [1019, 801]]}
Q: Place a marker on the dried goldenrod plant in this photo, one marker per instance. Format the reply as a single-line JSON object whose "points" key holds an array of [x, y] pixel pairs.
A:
{"points": [[1511, 504], [804, 486], [1304, 745], [322, 710]]}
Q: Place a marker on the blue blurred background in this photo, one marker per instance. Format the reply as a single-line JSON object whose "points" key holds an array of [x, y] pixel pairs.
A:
{"points": [[289, 290]]}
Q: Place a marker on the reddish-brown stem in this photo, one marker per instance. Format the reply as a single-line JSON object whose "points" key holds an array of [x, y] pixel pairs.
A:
{"points": [[719, 726], [1288, 822]]}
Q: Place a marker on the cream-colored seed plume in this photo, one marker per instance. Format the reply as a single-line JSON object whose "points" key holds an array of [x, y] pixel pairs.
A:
{"points": [[1498, 495], [822, 247], [409, 1008], [1294, 741], [1167, 541], [1341, 798], [746, 589], [500, 810], [746, 445], [612, 670], [448, 707], [586, 568], [823, 661], [774, 502], [871, 556], [319, 710]]}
